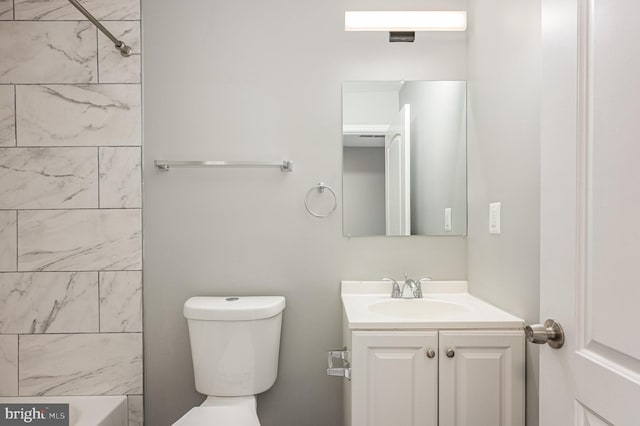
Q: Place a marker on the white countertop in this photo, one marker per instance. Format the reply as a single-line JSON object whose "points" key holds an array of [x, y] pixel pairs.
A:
{"points": [[468, 312]]}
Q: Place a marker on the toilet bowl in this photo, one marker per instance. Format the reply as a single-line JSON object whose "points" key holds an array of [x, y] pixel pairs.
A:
{"points": [[235, 347]]}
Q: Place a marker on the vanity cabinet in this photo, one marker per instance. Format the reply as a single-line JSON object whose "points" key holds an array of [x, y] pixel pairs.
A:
{"points": [[436, 378], [483, 381], [393, 381]]}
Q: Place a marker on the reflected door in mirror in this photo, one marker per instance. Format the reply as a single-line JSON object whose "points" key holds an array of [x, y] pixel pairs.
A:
{"points": [[397, 147]]}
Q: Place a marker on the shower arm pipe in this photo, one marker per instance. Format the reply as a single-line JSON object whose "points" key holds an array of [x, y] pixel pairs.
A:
{"points": [[120, 45]]}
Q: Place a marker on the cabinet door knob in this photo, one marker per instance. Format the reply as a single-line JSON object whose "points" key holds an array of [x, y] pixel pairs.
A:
{"points": [[450, 353], [431, 353]]}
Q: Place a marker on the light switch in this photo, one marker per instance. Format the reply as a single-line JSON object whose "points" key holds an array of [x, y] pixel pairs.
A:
{"points": [[447, 219], [494, 218]]}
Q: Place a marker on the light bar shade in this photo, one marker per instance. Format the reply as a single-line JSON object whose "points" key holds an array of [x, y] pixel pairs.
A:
{"points": [[405, 21]]}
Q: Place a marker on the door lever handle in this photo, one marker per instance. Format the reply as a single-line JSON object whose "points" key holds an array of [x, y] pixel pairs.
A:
{"points": [[551, 332]]}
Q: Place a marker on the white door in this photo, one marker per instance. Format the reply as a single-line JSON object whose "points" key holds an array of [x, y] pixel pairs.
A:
{"points": [[397, 153], [394, 378], [590, 197], [482, 378]]}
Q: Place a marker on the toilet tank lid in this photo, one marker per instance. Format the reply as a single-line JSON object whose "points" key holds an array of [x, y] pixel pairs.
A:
{"points": [[233, 308]]}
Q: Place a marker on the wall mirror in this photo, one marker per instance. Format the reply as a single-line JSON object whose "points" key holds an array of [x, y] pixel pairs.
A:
{"points": [[404, 168]]}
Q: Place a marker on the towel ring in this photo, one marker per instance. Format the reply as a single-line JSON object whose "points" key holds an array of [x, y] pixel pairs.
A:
{"points": [[320, 187]]}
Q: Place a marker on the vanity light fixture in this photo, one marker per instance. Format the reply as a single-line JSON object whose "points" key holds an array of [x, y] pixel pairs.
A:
{"points": [[402, 25]]}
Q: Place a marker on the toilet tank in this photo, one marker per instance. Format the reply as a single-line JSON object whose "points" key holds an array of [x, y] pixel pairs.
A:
{"points": [[235, 343]]}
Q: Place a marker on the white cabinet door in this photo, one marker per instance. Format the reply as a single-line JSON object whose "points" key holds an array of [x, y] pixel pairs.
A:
{"points": [[394, 382], [482, 379]]}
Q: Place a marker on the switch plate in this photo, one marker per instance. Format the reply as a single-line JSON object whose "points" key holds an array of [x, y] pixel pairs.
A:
{"points": [[494, 218], [447, 219]]}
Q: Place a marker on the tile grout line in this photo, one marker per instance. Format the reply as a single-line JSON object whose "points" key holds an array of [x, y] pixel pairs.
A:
{"points": [[69, 146], [98, 155], [72, 209], [17, 242], [15, 114], [66, 272], [18, 369], [99, 315], [81, 83], [18, 366], [61, 333], [73, 20], [97, 55]]}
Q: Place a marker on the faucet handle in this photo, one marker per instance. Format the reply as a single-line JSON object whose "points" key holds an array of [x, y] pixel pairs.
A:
{"points": [[417, 293], [395, 291], [418, 290]]}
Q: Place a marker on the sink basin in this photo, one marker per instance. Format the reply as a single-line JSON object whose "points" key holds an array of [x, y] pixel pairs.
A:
{"points": [[446, 305], [417, 309]]}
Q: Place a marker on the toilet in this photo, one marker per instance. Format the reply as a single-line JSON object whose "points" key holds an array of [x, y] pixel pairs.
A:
{"points": [[235, 345]]}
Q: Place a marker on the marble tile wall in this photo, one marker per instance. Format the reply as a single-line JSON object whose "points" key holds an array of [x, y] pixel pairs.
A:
{"points": [[70, 202], [120, 185], [6, 10], [8, 240], [48, 52], [79, 240], [103, 115], [116, 68], [52, 10], [56, 302], [41, 178], [136, 410], [7, 115], [80, 364], [8, 365], [121, 301]]}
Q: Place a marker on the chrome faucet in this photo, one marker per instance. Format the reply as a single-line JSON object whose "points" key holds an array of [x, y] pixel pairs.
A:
{"points": [[396, 293], [413, 285]]}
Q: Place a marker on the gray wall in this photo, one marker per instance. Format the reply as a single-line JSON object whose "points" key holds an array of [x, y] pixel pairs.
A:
{"points": [[504, 161], [261, 81], [363, 189]]}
